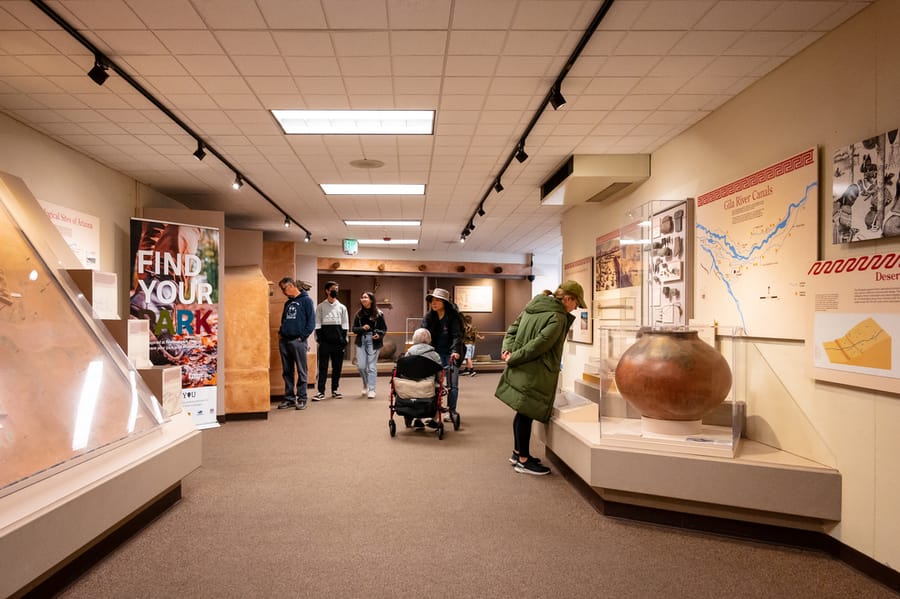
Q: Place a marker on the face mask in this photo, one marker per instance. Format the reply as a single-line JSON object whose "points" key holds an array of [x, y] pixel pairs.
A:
{"points": [[333, 293]]}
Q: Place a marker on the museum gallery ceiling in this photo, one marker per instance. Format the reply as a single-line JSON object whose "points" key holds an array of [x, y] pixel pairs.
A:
{"points": [[650, 70]]}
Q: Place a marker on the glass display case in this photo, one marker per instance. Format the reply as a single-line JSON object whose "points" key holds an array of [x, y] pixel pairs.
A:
{"points": [[69, 392]]}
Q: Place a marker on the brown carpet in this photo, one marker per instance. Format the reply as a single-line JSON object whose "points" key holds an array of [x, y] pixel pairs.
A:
{"points": [[324, 503]]}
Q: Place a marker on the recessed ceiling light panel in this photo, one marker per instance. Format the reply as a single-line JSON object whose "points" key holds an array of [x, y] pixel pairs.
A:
{"points": [[341, 189], [388, 241], [356, 122], [383, 223]]}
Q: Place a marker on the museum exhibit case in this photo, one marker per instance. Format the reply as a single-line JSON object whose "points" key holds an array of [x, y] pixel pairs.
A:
{"points": [[84, 443], [669, 429]]}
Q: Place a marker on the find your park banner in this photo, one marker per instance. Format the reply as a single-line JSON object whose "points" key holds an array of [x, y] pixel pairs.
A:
{"points": [[174, 285]]}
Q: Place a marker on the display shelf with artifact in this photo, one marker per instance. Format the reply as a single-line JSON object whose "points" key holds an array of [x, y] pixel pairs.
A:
{"points": [[83, 442]]}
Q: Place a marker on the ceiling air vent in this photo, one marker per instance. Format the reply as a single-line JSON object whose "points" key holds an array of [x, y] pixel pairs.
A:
{"points": [[594, 178]]}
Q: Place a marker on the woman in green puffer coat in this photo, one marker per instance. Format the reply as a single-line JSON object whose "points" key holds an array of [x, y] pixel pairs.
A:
{"points": [[532, 350]]}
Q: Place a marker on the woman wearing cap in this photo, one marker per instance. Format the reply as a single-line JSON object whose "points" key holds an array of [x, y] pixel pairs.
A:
{"points": [[532, 350], [445, 324]]}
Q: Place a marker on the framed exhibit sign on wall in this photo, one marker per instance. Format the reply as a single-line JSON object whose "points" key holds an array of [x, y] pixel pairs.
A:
{"points": [[582, 272], [474, 298]]}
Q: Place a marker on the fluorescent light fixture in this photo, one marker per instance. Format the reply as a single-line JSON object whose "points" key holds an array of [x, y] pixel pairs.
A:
{"points": [[383, 223], [388, 241], [356, 122], [363, 189]]}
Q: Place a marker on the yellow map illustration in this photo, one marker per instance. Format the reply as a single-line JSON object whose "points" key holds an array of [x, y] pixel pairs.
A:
{"points": [[866, 344]]}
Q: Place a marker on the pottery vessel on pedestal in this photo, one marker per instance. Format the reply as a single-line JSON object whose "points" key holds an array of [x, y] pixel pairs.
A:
{"points": [[673, 378]]}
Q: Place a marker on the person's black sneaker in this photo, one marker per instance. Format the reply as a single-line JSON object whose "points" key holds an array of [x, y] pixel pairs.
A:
{"points": [[286, 404], [301, 405], [432, 424], [318, 397], [528, 467], [514, 459], [336, 394], [472, 373], [417, 424]]}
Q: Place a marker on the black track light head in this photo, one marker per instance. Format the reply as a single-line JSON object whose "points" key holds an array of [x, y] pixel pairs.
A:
{"points": [[498, 186], [308, 238], [238, 183], [481, 210], [521, 156], [98, 72], [287, 222], [470, 226], [556, 98], [200, 153]]}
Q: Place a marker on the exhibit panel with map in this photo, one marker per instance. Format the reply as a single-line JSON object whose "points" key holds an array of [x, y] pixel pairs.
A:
{"points": [[856, 321], [754, 239]]}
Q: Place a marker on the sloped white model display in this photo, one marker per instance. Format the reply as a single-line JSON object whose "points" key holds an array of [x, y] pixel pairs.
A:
{"points": [[78, 426]]}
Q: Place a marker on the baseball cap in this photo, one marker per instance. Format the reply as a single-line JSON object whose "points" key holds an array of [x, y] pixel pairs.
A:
{"points": [[574, 289]]}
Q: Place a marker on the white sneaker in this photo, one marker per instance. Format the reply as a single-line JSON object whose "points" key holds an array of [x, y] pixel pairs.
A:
{"points": [[364, 392], [371, 395]]}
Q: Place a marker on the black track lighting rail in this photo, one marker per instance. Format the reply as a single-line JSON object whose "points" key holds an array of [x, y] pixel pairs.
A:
{"points": [[103, 62], [554, 98]]}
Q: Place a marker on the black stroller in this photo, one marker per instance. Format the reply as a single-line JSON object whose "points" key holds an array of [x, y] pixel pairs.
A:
{"points": [[417, 391]]}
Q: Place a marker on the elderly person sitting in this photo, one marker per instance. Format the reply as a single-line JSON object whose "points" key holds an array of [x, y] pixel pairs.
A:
{"points": [[421, 361]]}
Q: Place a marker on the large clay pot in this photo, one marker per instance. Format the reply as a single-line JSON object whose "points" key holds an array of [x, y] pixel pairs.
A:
{"points": [[672, 375]]}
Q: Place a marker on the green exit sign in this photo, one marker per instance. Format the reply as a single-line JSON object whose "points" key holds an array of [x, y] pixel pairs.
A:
{"points": [[351, 247]]}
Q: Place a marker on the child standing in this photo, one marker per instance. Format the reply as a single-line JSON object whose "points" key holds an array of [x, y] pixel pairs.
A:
{"points": [[469, 337]]}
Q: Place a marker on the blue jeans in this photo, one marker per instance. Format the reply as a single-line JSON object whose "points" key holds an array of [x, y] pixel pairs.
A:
{"points": [[451, 381], [367, 361], [293, 356]]}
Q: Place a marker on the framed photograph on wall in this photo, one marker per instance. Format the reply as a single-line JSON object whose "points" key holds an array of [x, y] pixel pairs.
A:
{"points": [[474, 298], [582, 272]]}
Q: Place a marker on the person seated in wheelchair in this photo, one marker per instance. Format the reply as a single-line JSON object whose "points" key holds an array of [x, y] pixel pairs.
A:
{"points": [[420, 363]]}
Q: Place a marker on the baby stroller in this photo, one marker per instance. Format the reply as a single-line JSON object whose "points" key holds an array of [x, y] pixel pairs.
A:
{"points": [[417, 391]]}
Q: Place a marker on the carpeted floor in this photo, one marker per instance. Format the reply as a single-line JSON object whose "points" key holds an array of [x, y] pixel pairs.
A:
{"points": [[324, 503]]}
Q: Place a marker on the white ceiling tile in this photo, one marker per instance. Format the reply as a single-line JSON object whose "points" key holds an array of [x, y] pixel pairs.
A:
{"points": [[363, 66], [121, 43], [313, 66], [417, 85], [671, 117], [733, 66], [659, 85], [24, 42], [64, 43], [167, 14], [361, 43], [470, 66], [708, 85], [680, 66], [230, 14], [535, 43], [794, 15], [9, 22], [153, 65], [101, 100], [610, 85], [416, 101], [191, 101], [58, 101], [369, 85], [599, 102], [466, 85], [458, 102], [648, 43], [111, 14], [326, 101], [272, 85], [281, 101], [418, 43], [176, 85], [39, 117], [13, 67], [686, 102], [800, 43], [296, 14], [303, 43], [612, 129], [518, 85], [762, 43], [705, 43], [674, 14], [628, 66], [523, 66], [509, 102], [642, 102], [256, 43], [356, 14], [454, 129], [261, 66], [422, 14], [603, 42], [220, 85], [547, 14], [478, 14], [736, 15], [467, 43], [50, 65], [190, 42], [411, 66], [622, 15], [236, 101], [208, 65]]}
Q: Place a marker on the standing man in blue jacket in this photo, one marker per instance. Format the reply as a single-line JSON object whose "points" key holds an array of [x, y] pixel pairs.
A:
{"points": [[298, 319]]}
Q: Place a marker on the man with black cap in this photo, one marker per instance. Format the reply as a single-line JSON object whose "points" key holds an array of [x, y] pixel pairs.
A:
{"points": [[532, 350], [298, 319]]}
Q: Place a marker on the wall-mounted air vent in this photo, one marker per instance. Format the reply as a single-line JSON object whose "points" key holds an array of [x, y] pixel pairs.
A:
{"points": [[594, 178]]}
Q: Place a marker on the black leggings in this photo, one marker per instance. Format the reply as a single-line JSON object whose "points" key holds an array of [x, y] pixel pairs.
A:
{"points": [[522, 434]]}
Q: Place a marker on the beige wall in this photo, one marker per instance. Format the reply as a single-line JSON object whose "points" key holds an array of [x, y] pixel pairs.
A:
{"points": [[844, 88]]}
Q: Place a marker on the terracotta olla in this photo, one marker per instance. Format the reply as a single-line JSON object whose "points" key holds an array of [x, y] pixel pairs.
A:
{"points": [[672, 375]]}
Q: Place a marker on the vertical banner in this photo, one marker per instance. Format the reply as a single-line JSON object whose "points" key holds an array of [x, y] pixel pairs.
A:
{"points": [[174, 285]]}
